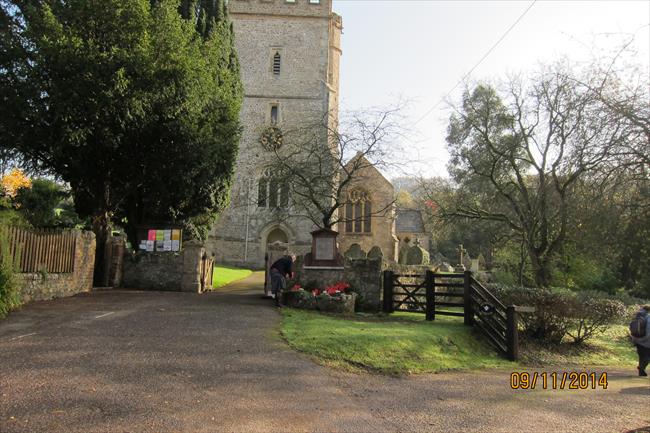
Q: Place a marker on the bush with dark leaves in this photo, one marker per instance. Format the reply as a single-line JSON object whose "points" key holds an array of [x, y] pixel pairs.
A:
{"points": [[561, 313]]}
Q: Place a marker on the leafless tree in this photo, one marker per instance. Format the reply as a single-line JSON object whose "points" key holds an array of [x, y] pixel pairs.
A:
{"points": [[321, 159]]}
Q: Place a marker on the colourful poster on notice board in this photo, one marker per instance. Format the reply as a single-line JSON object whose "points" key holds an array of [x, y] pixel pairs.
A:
{"points": [[165, 239]]}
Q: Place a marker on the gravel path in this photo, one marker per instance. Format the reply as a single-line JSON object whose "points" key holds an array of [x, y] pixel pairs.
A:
{"points": [[133, 361]]}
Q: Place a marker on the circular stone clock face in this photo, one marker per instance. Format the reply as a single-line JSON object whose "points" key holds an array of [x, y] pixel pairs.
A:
{"points": [[272, 139]]}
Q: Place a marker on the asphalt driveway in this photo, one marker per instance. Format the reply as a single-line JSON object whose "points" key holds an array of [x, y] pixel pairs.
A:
{"points": [[132, 361]]}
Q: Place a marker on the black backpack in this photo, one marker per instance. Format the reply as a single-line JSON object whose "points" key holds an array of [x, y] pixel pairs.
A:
{"points": [[638, 325]]}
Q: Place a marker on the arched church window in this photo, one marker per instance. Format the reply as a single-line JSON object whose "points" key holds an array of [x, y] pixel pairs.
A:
{"points": [[272, 192], [358, 212]]}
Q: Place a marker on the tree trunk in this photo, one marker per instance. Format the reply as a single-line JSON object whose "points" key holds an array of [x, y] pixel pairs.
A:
{"points": [[103, 231], [541, 269]]}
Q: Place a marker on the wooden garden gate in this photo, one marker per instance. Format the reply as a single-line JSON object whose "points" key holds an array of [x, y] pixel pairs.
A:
{"points": [[206, 272], [458, 294]]}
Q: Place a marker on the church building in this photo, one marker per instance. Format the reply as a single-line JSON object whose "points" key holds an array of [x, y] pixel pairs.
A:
{"points": [[289, 51]]}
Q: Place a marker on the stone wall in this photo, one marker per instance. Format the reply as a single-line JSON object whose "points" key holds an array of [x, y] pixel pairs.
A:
{"points": [[154, 271], [298, 8], [166, 271], [364, 275], [42, 286]]}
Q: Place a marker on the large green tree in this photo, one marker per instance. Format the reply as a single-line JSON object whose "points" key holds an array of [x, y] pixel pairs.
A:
{"points": [[517, 155], [132, 103]]}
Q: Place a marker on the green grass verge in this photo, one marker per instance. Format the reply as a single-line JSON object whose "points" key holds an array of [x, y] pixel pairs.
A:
{"points": [[400, 344], [224, 275], [611, 349], [405, 343]]}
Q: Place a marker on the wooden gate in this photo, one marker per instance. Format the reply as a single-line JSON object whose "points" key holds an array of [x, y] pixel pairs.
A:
{"points": [[207, 271], [455, 295]]}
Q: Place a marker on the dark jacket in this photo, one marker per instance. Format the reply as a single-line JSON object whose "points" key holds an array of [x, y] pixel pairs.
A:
{"points": [[283, 265]]}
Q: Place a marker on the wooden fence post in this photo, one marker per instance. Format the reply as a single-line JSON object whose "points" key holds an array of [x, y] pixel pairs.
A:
{"points": [[388, 291], [430, 284], [266, 274], [468, 310], [512, 334]]}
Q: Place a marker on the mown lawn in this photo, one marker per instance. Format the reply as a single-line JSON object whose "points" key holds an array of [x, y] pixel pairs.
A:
{"points": [[611, 349], [224, 275], [405, 343], [400, 344]]}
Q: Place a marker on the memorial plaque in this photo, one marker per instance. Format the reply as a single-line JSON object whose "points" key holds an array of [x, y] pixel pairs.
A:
{"points": [[324, 248]]}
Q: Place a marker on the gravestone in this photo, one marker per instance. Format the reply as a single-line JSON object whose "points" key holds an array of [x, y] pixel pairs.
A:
{"points": [[481, 262], [460, 266], [375, 253], [403, 249], [417, 255], [355, 252]]}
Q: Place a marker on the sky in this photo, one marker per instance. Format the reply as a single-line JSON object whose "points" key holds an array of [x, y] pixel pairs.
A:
{"points": [[418, 51]]}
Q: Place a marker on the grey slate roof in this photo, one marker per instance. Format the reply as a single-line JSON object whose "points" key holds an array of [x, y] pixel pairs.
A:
{"points": [[409, 221]]}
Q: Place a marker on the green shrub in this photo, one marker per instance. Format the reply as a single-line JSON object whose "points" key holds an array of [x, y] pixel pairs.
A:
{"points": [[47, 204], [9, 284], [561, 313], [592, 314]]}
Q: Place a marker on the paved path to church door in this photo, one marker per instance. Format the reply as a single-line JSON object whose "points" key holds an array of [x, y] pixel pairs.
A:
{"points": [[128, 361]]}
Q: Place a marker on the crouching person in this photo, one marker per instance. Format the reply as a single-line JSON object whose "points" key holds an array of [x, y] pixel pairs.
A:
{"points": [[280, 271], [640, 331]]}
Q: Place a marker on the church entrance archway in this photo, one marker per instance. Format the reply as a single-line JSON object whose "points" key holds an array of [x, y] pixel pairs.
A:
{"points": [[277, 245], [277, 235]]}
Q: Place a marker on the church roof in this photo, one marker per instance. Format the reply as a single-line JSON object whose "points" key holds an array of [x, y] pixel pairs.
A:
{"points": [[409, 221]]}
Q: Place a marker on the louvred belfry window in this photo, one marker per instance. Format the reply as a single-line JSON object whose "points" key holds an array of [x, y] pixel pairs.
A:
{"points": [[277, 63]]}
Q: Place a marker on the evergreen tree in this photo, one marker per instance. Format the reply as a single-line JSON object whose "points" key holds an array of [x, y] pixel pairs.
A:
{"points": [[126, 102]]}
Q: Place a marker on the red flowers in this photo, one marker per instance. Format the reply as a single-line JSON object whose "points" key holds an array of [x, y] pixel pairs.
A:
{"points": [[296, 288], [332, 290], [337, 288]]}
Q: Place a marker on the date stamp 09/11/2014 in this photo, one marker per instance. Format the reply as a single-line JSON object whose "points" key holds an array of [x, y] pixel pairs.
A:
{"points": [[558, 380]]}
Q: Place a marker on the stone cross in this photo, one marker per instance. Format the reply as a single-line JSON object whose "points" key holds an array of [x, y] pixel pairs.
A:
{"points": [[461, 252]]}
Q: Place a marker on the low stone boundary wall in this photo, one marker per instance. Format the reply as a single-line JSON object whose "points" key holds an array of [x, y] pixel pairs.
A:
{"points": [[363, 275], [178, 272], [40, 286]]}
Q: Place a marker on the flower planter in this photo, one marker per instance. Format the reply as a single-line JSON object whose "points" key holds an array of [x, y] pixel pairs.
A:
{"points": [[300, 299], [340, 303]]}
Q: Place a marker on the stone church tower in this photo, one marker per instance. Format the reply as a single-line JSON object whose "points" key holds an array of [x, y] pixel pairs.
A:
{"points": [[289, 51]]}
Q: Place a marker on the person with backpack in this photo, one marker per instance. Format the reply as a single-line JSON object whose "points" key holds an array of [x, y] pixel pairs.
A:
{"points": [[640, 331]]}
